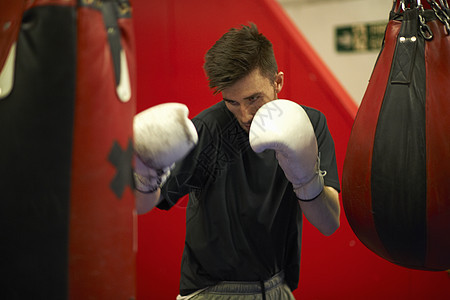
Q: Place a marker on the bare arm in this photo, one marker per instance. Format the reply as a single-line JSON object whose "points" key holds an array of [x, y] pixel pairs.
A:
{"points": [[324, 211], [146, 202]]}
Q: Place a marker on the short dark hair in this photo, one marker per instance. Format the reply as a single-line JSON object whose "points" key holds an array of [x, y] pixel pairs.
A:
{"points": [[236, 54]]}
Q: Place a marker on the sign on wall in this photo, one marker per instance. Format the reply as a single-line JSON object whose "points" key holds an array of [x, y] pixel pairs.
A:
{"points": [[360, 37]]}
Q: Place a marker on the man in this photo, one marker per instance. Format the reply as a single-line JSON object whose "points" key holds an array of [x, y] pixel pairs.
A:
{"points": [[253, 172]]}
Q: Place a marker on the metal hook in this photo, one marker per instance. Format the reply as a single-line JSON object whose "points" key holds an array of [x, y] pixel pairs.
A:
{"points": [[408, 4], [419, 6], [403, 5]]}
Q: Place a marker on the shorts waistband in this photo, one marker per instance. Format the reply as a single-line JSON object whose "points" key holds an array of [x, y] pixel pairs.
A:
{"points": [[247, 287]]}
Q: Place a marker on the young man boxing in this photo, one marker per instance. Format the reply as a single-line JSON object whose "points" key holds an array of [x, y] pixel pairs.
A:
{"points": [[253, 165]]}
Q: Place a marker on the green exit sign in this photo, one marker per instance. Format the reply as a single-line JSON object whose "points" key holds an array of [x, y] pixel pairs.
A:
{"points": [[360, 37]]}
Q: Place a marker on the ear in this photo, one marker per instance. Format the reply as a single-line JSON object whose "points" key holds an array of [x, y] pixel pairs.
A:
{"points": [[279, 81]]}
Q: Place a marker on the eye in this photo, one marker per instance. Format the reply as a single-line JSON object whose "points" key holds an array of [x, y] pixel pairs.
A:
{"points": [[254, 98], [231, 102]]}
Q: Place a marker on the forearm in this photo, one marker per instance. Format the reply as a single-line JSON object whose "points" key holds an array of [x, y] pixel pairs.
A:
{"points": [[324, 211], [146, 202]]}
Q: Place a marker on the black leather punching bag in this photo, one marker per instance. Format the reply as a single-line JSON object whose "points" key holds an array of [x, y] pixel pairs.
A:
{"points": [[396, 190]]}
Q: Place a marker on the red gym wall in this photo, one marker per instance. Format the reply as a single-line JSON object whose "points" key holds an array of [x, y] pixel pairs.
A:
{"points": [[172, 37]]}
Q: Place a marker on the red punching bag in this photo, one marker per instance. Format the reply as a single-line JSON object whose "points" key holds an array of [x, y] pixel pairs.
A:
{"points": [[67, 102], [395, 190]]}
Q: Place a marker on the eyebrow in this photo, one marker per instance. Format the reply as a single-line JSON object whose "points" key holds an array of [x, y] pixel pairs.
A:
{"points": [[246, 98], [253, 95]]}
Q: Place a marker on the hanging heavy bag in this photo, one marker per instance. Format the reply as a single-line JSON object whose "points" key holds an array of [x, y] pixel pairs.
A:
{"points": [[395, 187], [67, 102]]}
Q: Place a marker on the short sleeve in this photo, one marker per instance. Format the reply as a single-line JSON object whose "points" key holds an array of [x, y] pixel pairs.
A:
{"points": [[326, 148]]}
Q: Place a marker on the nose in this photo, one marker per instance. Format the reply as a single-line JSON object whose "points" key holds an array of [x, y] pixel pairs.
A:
{"points": [[247, 114]]}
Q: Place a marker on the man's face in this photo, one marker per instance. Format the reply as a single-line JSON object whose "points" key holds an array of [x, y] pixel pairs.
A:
{"points": [[247, 95]]}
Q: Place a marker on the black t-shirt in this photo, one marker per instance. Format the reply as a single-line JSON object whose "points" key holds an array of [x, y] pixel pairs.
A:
{"points": [[243, 221]]}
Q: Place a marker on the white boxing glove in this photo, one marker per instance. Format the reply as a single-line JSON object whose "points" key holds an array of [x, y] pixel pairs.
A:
{"points": [[284, 126], [163, 134]]}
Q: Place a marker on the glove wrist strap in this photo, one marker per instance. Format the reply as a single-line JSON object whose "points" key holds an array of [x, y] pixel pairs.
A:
{"points": [[145, 185], [310, 190], [150, 183]]}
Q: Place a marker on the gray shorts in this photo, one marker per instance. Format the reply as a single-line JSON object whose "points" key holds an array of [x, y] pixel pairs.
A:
{"points": [[273, 289]]}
